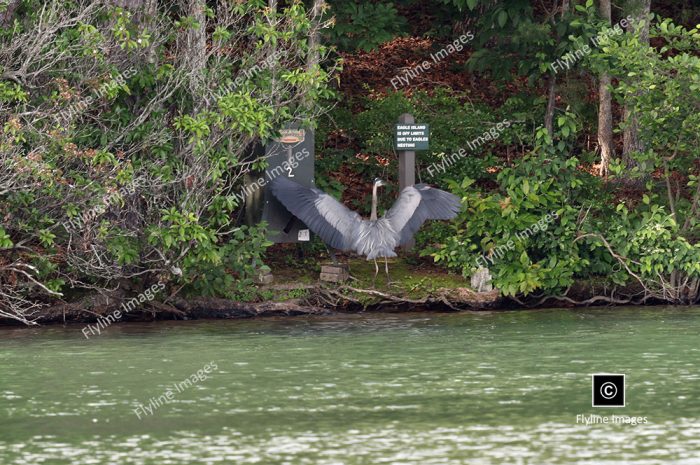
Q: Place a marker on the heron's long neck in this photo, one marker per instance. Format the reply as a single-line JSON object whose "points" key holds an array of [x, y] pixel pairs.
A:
{"points": [[373, 216]]}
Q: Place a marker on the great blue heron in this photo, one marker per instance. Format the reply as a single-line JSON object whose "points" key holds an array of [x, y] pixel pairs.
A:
{"points": [[343, 229]]}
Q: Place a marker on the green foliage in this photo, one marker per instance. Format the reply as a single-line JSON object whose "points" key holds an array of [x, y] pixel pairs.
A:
{"points": [[363, 25], [140, 181], [549, 223], [12, 92], [664, 87], [453, 125], [529, 44], [464, 4], [524, 232], [123, 165], [649, 238], [228, 269], [590, 233], [5, 241]]}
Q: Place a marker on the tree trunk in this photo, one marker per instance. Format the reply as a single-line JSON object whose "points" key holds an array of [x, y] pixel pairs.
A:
{"points": [[314, 35], [313, 58], [551, 103], [274, 95], [639, 11], [605, 124], [552, 84], [565, 5], [196, 46], [6, 16]]}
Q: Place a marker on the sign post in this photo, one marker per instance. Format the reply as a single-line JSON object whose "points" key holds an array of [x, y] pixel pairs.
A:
{"points": [[409, 137]]}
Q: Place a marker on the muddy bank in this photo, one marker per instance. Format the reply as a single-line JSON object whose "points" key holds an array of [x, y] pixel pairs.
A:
{"points": [[316, 300], [293, 299]]}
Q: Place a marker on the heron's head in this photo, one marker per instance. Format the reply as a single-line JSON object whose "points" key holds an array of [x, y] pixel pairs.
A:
{"points": [[379, 182]]}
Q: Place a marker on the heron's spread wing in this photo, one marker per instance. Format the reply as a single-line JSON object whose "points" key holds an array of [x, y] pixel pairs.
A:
{"points": [[330, 219], [420, 203]]}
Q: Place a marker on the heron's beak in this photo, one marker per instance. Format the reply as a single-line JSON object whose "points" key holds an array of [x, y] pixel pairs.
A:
{"points": [[381, 183]]}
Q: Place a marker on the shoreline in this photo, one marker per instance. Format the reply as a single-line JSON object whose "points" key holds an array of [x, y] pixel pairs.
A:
{"points": [[87, 311], [318, 301]]}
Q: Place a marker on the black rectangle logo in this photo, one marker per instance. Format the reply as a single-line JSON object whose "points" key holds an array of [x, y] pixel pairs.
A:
{"points": [[608, 390]]}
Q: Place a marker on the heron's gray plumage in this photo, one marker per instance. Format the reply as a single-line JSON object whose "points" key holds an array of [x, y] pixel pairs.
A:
{"points": [[343, 229], [375, 239]]}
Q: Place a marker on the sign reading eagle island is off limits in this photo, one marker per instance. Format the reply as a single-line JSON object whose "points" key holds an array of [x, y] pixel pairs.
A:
{"points": [[412, 137]]}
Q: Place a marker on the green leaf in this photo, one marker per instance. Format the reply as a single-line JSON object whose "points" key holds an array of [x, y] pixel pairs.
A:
{"points": [[472, 4], [524, 259], [502, 18], [5, 241]]}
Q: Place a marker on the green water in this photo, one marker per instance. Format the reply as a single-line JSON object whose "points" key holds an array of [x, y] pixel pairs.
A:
{"points": [[488, 388]]}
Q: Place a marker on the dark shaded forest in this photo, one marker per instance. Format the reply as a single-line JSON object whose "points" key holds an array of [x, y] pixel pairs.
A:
{"points": [[569, 130]]}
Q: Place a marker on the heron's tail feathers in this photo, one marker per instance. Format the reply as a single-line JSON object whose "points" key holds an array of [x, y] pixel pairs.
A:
{"points": [[381, 253]]}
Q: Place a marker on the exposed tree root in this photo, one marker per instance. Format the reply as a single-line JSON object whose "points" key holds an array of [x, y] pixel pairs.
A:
{"points": [[676, 288], [463, 299]]}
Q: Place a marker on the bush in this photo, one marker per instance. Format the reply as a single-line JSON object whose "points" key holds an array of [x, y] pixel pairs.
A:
{"points": [[123, 161], [524, 232], [550, 223], [364, 26]]}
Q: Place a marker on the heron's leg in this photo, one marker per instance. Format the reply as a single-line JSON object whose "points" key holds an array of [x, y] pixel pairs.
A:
{"points": [[386, 270], [376, 272]]}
